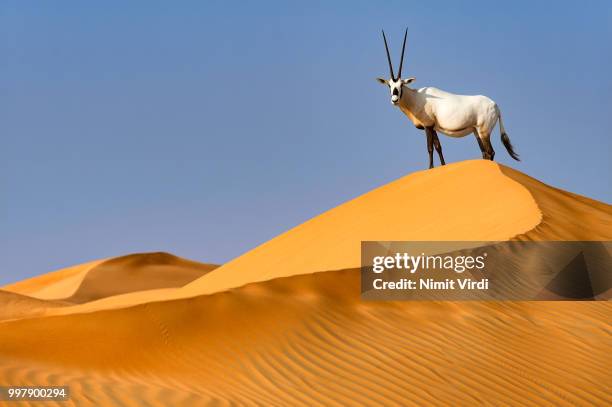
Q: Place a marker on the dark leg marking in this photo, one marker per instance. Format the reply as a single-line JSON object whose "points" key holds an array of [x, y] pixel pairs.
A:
{"points": [[438, 146], [429, 134], [490, 153], [482, 148]]}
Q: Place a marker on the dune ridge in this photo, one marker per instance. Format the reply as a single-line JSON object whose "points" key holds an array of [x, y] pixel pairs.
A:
{"points": [[490, 202], [98, 279], [440, 204], [565, 216], [436, 204], [269, 329], [55, 285], [134, 273]]}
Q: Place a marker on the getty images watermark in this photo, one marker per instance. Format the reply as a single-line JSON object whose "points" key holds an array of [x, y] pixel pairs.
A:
{"points": [[412, 264], [486, 270]]}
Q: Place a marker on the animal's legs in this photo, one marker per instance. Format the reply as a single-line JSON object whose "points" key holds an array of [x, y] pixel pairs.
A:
{"points": [[485, 138], [482, 148], [489, 147], [438, 146], [429, 134]]}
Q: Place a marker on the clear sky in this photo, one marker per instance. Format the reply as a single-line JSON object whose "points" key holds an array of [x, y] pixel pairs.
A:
{"points": [[206, 128]]}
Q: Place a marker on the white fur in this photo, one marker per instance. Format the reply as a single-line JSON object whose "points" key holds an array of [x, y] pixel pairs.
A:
{"points": [[453, 115]]}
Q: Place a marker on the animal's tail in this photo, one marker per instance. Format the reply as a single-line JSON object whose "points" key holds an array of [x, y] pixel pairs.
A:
{"points": [[505, 139]]}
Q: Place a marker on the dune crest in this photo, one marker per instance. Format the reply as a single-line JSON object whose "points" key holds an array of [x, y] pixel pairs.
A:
{"points": [[86, 283], [470, 200], [137, 272], [54, 285], [565, 216]]}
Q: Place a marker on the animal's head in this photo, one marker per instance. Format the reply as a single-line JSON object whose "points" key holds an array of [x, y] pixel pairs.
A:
{"points": [[394, 83]]}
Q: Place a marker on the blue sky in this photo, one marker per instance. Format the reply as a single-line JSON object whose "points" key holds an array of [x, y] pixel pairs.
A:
{"points": [[207, 128]]}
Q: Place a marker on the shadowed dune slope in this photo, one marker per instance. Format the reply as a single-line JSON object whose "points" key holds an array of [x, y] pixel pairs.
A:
{"points": [[16, 306], [565, 216], [55, 285], [109, 277], [137, 272]]}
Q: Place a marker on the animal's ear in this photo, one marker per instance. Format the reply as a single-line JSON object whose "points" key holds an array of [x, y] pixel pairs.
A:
{"points": [[381, 80], [407, 81]]}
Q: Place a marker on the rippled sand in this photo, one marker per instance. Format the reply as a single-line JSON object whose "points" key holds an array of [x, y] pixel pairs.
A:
{"points": [[284, 324]]}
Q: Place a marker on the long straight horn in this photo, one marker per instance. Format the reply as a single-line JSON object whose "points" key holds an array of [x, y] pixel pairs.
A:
{"points": [[399, 74], [388, 56]]}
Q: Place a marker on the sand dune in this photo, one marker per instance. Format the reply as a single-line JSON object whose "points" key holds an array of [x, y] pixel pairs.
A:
{"points": [[284, 324], [110, 277], [55, 285], [472, 200], [565, 216], [138, 274], [16, 306], [308, 340]]}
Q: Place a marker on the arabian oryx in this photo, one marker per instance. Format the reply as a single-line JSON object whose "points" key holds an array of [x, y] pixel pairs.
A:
{"points": [[432, 110]]}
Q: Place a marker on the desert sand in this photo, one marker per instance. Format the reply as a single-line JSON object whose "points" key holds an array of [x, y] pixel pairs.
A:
{"points": [[283, 324]]}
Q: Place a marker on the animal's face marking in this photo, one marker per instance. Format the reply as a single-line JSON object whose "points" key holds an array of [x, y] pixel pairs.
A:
{"points": [[396, 91], [395, 88]]}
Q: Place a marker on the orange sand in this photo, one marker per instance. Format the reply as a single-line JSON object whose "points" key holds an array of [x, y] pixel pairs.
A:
{"points": [[284, 325]]}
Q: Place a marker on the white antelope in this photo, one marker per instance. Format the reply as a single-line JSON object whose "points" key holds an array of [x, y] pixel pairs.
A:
{"points": [[432, 110]]}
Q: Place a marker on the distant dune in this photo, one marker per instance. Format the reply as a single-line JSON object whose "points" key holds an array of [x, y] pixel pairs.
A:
{"points": [[55, 285], [96, 280], [109, 277], [16, 306], [284, 325]]}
